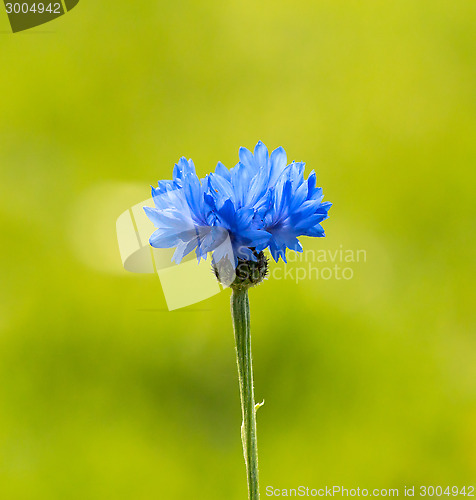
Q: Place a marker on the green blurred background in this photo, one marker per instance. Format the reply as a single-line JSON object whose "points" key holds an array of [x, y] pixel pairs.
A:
{"points": [[368, 382]]}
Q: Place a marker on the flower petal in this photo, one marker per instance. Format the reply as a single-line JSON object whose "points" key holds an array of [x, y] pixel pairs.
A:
{"points": [[261, 155], [277, 162]]}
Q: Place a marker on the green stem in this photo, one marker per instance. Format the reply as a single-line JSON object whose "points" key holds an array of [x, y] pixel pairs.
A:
{"points": [[240, 311]]}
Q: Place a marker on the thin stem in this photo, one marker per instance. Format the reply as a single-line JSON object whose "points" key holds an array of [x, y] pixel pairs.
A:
{"points": [[240, 311]]}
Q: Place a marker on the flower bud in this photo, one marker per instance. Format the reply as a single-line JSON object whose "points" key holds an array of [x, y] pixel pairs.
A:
{"points": [[248, 273]]}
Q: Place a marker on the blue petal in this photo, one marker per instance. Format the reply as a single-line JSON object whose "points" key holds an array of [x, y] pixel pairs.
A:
{"points": [[261, 155], [220, 189], [244, 216], [220, 169], [240, 180], [183, 167], [309, 222], [164, 218], [298, 197], [257, 238], [258, 187], [161, 240], [317, 231], [183, 249], [308, 208], [227, 213], [277, 162], [246, 158], [324, 207]]}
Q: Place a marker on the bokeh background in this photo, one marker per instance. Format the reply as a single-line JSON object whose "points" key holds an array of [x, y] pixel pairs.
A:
{"points": [[368, 382]]}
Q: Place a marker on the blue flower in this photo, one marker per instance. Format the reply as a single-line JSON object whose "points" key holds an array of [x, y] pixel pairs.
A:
{"points": [[262, 202]]}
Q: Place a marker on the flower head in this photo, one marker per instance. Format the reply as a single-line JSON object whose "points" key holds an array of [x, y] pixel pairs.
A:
{"points": [[262, 202]]}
